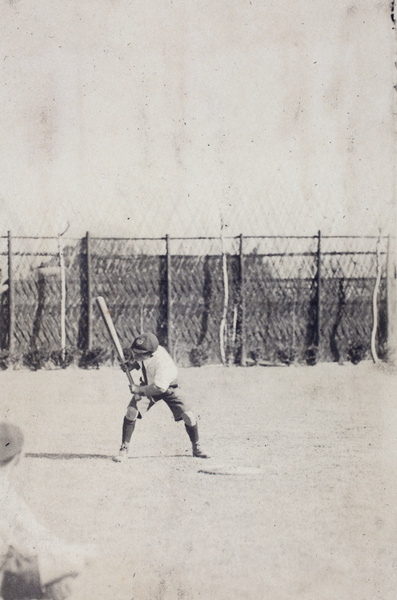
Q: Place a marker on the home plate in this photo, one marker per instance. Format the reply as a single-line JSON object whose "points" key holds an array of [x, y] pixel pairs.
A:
{"points": [[231, 470]]}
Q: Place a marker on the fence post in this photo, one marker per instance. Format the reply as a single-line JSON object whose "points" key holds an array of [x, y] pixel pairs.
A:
{"points": [[169, 307], [11, 298], [89, 303], [243, 355], [391, 300], [63, 297], [318, 333]]}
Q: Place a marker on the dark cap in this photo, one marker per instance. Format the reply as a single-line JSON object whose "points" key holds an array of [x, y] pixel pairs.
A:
{"points": [[147, 342], [11, 441]]}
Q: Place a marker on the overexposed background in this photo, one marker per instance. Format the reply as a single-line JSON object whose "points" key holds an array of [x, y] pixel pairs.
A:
{"points": [[144, 118]]}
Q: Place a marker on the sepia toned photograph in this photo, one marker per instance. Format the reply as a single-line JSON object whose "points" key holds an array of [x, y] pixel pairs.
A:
{"points": [[198, 303]]}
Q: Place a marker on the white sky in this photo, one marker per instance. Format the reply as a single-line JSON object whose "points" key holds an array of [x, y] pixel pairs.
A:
{"points": [[141, 118]]}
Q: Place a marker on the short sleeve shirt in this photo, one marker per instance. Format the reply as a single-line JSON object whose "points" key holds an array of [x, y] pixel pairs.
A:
{"points": [[20, 530], [161, 369]]}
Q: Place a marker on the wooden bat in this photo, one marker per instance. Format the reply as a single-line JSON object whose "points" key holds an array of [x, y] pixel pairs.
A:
{"points": [[103, 309]]}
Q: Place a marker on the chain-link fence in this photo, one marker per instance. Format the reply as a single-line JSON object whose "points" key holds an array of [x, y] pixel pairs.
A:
{"points": [[243, 300]]}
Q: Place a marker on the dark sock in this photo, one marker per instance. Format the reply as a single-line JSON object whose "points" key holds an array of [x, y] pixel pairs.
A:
{"points": [[128, 429], [192, 432]]}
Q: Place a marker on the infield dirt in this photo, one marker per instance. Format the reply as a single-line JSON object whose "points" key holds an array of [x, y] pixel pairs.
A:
{"points": [[301, 505]]}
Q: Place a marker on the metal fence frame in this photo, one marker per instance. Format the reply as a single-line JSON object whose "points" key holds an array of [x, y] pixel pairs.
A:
{"points": [[232, 249]]}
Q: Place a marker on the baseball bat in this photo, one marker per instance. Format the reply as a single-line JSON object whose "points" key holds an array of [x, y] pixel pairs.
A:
{"points": [[103, 309]]}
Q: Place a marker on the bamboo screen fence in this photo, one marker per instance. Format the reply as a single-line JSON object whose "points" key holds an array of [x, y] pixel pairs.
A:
{"points": [[242, 300]]}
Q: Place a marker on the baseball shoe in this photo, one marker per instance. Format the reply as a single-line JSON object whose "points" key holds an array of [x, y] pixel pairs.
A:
{"points": [[122, 455], [199, 453]]}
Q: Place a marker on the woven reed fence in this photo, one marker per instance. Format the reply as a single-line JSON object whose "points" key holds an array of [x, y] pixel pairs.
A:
{"points": [[243, 300]]}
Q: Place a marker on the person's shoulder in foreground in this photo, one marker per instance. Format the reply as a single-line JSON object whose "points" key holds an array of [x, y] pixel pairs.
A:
{"points": [[34, 563]]}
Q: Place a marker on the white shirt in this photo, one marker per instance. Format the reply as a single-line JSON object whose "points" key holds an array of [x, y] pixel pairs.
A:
{"points": [[20, 530], [160, 369]]}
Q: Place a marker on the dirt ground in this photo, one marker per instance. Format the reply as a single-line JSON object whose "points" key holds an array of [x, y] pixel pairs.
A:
{"points": [[302, 505]]}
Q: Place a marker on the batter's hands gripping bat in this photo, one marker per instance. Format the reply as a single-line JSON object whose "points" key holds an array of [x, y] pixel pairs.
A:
{"points": [[103, 309]]}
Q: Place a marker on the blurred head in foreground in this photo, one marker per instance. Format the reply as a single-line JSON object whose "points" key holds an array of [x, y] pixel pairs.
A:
{"points": [[11, 444]]}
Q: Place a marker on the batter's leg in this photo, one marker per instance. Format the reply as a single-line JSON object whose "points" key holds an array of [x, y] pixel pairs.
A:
{"points": [[127, 431], [192, 431]]}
